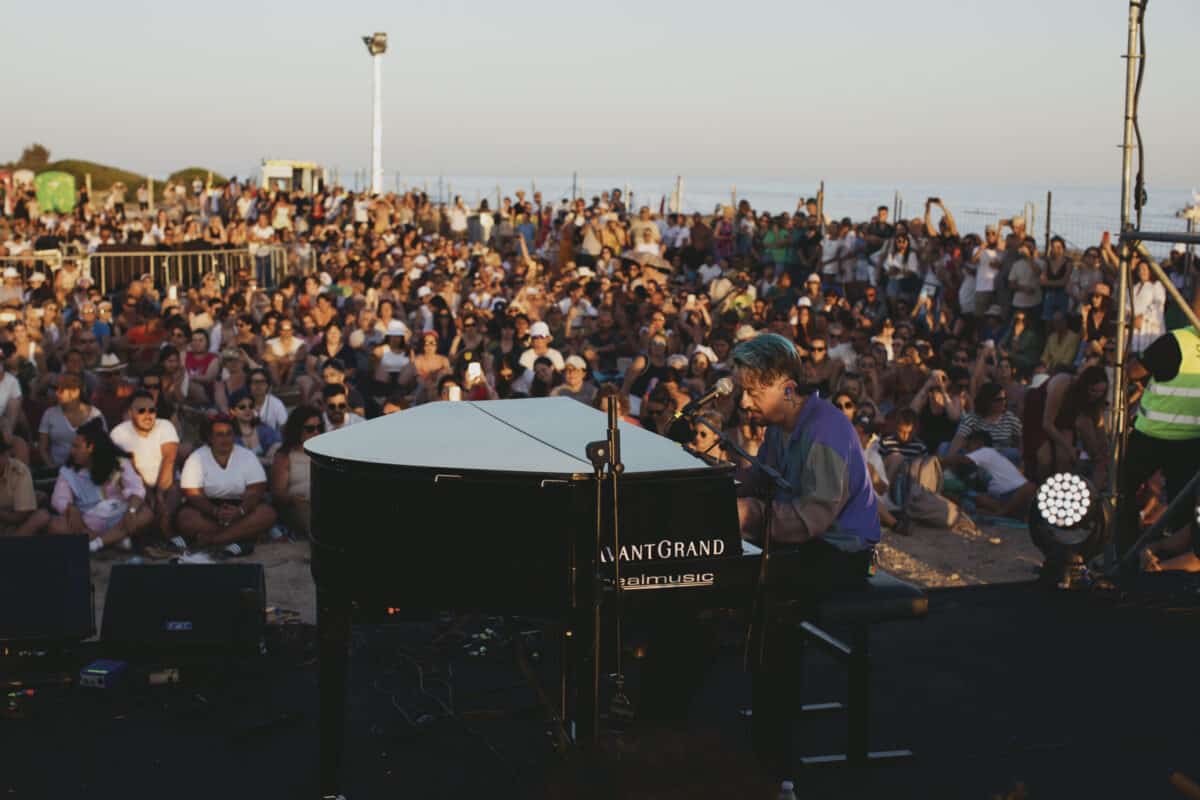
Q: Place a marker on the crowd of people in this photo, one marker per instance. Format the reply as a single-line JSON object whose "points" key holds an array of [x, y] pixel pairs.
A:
{"points": [[179, 413]]}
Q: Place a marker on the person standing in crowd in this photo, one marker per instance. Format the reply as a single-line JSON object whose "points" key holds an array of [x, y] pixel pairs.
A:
{"points": [[1166, 430]]}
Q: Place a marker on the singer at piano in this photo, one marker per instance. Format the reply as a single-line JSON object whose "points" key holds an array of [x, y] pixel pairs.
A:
{"points": [[828, 512]]}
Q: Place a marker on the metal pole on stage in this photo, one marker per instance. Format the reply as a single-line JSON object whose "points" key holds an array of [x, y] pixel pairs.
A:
{"points": [[1119, 388]]}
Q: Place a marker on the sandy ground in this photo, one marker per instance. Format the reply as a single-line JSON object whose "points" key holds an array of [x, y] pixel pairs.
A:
{"points": [[941, 558], [930, 558]]}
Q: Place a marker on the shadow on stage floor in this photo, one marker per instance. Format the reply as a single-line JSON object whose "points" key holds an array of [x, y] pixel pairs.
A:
{"points": [[1075, 695]]}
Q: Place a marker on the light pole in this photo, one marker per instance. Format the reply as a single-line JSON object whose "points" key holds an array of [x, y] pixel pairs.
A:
{"points": [[377, 46]]}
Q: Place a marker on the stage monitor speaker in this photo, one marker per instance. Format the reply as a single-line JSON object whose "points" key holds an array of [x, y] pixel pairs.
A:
{"points": [[177, 609], [45, 589]]}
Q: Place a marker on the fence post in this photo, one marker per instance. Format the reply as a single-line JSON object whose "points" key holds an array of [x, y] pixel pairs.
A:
{"points": [[1049, 209], [150, 194], [821, 207]]}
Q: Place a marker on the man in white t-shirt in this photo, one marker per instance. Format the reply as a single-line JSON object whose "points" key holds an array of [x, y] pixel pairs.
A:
{"points": [[986, 261], [1008, 493], [224, 488], [457, 215], [154, 445]]}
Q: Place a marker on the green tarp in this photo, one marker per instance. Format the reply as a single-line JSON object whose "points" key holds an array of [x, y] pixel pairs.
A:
{"points": [[55, 191]]}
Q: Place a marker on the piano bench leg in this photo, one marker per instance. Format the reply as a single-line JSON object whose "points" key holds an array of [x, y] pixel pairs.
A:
{"points": [[857, 658]]}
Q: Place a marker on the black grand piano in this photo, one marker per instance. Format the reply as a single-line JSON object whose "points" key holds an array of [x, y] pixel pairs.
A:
{"points": [[491, 506]]}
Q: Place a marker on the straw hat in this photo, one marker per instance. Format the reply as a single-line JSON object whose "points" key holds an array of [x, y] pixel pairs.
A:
{"points": [[109, 363]]}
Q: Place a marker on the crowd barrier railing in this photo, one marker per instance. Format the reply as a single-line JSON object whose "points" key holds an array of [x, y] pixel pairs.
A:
{"points": [[185, 268]]}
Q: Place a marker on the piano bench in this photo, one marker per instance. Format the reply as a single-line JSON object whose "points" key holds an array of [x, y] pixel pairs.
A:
{"points": [[883, 598]]}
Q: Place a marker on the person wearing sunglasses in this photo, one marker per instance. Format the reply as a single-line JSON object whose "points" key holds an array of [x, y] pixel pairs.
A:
{"points": [[249, 431], [290, 470], [336, 402], [153, 443], [844, 401]]}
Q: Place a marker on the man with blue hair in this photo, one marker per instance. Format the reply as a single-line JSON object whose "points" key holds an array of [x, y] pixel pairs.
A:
{"points": [[830, 504], [828, 511]]}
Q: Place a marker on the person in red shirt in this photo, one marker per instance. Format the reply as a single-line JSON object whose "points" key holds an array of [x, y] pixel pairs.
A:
{"points": [[143, 341]]}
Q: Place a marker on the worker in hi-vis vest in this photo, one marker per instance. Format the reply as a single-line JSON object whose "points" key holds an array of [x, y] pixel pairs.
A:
{"points": [[1166, 432]]}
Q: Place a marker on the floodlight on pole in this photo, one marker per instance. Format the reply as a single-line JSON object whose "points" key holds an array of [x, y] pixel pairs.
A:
{"points": [[377, 46]]}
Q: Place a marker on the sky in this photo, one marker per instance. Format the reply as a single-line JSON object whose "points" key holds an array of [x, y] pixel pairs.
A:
{"points": [[879, 90]]}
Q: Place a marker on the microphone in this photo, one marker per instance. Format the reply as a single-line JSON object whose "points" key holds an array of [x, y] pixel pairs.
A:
{"points": [[720, 389]]}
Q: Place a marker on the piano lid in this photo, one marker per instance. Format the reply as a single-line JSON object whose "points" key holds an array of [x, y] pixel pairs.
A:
{"points": [[546, 436]]}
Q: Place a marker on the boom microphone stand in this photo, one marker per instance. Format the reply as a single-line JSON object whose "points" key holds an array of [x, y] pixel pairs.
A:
{"points": [[606, 454]]}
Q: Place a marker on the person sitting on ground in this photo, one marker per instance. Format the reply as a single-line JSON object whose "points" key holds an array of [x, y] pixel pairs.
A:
{"points": [[267, 406], [250, 432], [154, 445], [991, 415], [903, 445], [1008, 493], [575, 383], [56, 432], [1174, 553], [99, 493], [335, 400], [290, 470], [19, 512], [224, 488]]}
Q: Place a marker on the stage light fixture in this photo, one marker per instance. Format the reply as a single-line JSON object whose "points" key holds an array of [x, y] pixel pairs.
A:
{"points": [[1069, 524]]}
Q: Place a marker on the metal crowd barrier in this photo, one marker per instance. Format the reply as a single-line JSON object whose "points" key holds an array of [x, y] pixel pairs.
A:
{"points": [[185, 268], [45, 261]]}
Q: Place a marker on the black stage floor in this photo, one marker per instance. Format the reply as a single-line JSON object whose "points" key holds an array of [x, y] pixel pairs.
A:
{"points": [[1074, 695]]}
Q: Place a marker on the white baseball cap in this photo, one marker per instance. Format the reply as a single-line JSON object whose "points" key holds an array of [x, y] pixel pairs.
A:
{"points": [[424, 291], [397, 328], [11, 272], [805, 301], [539, 330], [577, 362]]}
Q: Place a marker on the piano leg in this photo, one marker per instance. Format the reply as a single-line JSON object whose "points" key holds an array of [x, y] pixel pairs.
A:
{"points": [[776, 683], [333, 635]]}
